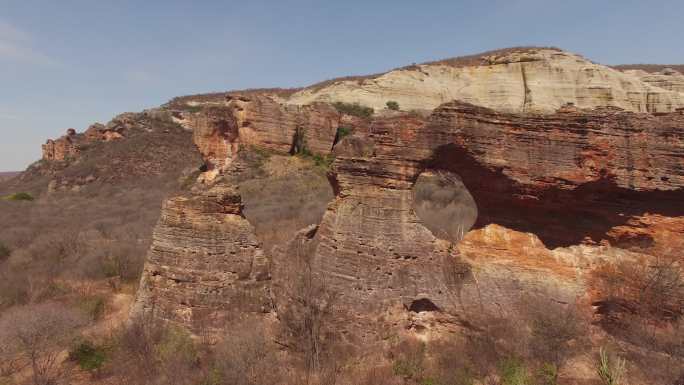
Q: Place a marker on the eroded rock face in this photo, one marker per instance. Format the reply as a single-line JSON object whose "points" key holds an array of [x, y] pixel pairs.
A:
{"points": [[564, 177], [667, 78], [540, 182], [205, 268], [556, 195], [220, 130], [532, 80], [62, 148]]}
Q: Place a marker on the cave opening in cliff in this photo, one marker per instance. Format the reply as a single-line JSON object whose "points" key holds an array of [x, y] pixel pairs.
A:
{"points": [[444, 205], [423, 305]]}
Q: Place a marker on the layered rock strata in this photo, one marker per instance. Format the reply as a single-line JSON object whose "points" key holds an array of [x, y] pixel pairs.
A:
{"points": [[205, 268], [523, 80], [555, 194], [547, 181]]}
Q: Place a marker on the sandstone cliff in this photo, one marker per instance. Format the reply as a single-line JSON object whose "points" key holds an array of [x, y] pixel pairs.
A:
{"points": [[550, 198], [528, 80]]}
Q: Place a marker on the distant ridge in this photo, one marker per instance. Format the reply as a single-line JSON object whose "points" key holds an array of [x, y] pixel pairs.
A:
{"points": [[5, 175]]}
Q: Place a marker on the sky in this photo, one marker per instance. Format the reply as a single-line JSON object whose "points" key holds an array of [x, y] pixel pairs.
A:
{"points": [[70, 63]]}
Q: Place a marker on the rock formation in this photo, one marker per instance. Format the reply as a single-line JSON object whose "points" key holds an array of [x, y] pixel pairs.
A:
{"points": [[540, 182], [555, 194], [62, 148], [205, 268], [522, 80], [667, 78], [69, 146]]}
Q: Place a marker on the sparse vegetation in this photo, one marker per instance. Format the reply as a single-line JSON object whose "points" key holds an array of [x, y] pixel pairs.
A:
{"points": [[392, 105], [342, 131], [354, 109], [4, 252], [20, 196], [514, 372], [610, 370], [37, 334], [88, 356], [93, 306]]}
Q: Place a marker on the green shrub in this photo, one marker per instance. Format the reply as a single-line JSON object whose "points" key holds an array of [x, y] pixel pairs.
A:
{"points": [[4, 251], [176, 346], [410, 360], [20, 196], [193, 108], [88, 356], [93, 306], [343, 131], [548, 374], [514, 372], [323, 161], [354, 109], [392, 105], [610, 370]]}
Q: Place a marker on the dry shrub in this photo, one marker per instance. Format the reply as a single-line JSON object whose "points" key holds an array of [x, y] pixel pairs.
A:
{"points": [[557, 330], [91, 235], [37, 335], [650, 289], [149, 351], [306, 309], [247, 357]]}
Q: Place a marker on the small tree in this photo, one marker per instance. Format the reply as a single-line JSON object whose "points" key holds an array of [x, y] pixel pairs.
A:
{"points": [[392, 105], [38, 334]]}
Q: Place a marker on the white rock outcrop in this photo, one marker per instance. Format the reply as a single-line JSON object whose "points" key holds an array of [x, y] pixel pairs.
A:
{"points": [[540, 80]]}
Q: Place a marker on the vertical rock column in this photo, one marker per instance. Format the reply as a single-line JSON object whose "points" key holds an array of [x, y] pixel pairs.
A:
{"points": [[205, 267]]}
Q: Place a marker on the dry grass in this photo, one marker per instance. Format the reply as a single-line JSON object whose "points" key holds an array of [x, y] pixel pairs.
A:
{"points": [[650, 67]]}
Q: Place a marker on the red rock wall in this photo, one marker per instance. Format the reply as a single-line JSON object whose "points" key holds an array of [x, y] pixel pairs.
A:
{"points": [[562, 179]]}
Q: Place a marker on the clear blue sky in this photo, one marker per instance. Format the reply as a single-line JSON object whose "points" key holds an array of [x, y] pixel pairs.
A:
{"points": [[69, 63]]}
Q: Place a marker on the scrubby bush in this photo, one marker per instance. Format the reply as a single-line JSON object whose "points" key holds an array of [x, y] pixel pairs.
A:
{"points": [[246, 357], [514, 372], [342, 131], [20, 196], [555, 329], [37, 334], [354, 109], [409, 361], [392, 105], [4, 252], [88, 356], [93, 306]]}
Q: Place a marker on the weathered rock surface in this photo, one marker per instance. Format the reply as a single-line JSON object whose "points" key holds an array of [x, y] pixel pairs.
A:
{"points": [[542, 181], [667, 78], [205, 268], [62, 148], [555, 194], [529, 80], [220, 129]]}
